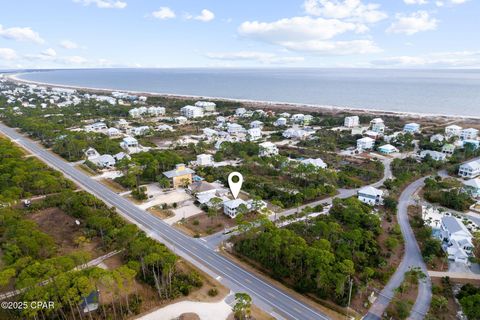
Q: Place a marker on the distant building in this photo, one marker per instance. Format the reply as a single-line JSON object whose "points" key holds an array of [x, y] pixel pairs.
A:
{"points": [[206, 105], [469, 134], [191, 112], [96, 127], [411, 128], [351, 122], [234, 128], [365, 143], [139, 131], [240, 111], [280, 122], [296, 133], [156, 111], [268, 149], [470, 169], [181, 176], [387, 149], [91, 153], [434, 155], [315, 162], [474, 144], [230, 207], [472, 186], [203, 191], [105, 161], [204, 160], [181, 120], [437, 138], [453, 131], [285, 115], [254, 134], [377, 125], [130, 144], [448, 149], [297, 118], [113, 132], [370, 195], [256, 124]]}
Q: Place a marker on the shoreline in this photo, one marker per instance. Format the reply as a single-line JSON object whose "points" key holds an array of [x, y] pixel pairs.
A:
{"points": [[14, 77]]}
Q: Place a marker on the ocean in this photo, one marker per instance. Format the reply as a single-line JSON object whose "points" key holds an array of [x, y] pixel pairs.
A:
{"points": [[445, 92]]}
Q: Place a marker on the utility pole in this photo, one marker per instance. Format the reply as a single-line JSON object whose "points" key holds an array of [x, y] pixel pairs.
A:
{"points": [[349, 297]]}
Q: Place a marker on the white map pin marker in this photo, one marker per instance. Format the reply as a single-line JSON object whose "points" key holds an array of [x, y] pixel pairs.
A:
{"points": [[235, 187]]}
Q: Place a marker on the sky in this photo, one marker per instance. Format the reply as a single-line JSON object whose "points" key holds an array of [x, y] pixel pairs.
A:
{"points": [[240, 33]]}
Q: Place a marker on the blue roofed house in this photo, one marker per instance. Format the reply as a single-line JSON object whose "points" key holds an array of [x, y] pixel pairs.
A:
{"points": [[411, 128], [387, 149], [90, 303]]}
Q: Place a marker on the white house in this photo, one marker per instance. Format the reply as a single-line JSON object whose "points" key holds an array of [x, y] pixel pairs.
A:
{"points": [[96, 127], [453, 131], [104, 161], [297, 118], [203, 191], [437, 137], [121, 124], [295, 133], [411, 127], [156, 111], [135, 113], [204, 160], [256, 124], [284, 115], [240, 111], [254, 134], [206, 105], [469, 134], [315, 162], [268, 149], [230, 207], [113, 132], [470, 169], [91, 153], [351, 122], [370, 195], [448, 149], [140, 131], [472, 186], [192, 112], [233, 128], [130, 144], [457, 239], [280, 122], [435, 155], [365, 143], [164, 127], [181, 120], [387, 149], [377, 125]]}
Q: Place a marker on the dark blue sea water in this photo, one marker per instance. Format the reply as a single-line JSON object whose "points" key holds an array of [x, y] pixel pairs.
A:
{"points": [[451, 92]]}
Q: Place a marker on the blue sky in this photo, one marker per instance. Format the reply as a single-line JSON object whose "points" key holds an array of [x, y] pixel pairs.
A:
{"points": [[239, 33]]}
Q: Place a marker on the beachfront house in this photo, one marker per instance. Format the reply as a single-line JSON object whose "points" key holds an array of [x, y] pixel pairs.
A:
{"points": [[254, 134], [240, 112], [296, 133], [191, 112], [156, 111], [268, 149], [411, 128], [387, 149], [181, 120], [204, 160], [140, 131], [434, 155], [472, 187], [230, 207], [113, 132], [370, 195], [234, 128], [474, 144], [377, 125], [469, 169], [96, 127], [256, 124], [280, 122], [351, 122], [469, 134], [448, 149], [365, 143], [456, 239], [437, 138], [181, 176], [207, 106], [453, 131]]}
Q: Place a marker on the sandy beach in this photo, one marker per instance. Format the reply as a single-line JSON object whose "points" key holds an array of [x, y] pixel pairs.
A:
{"points": [[286, 106]]}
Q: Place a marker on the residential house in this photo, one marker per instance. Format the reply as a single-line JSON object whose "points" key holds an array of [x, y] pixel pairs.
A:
{"points": [[469, 134], [181, 176], [387, 149], [456, 238], [204, 160], [96, 127], [351, 122], [448, 149], [207, 106], [365, 143], [156, 111], [297, 118], [164, 127], [474, 144], [377, 125], [297, 134], [230, 207], [130, 144], [91, 153], [315, 162], [268, 149], [105, 161], [280, 122], [256, 124], [203, 191], [453, 131], [285, 115], [234, 128], [139, 131], [181, 120], [434, 155], [470, 169], [191, 112], [121, 155], [472, 186], [113, 132], [411, 128], [437, 138], [121, 124], [254, 134], [240, 111], [370, 195]]}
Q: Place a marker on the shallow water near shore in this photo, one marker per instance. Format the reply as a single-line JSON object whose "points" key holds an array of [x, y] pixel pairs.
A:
{"points": [[445, 92]]}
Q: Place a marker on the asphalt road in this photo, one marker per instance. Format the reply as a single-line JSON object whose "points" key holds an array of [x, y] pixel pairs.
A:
{"points": [[412, 258], [263, 293]]}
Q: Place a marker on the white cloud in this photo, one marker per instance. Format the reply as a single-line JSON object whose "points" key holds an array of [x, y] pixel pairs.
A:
{"points": [[7, 54], [49, 52], [262, 57], [76, 60], [420, 2], [458, 59], [333, 47], [442, 3], [164, 13], [295, 29], [353, 10], [205, 16], [415, 22], [68, 44], [21, 34], [104, 4]]}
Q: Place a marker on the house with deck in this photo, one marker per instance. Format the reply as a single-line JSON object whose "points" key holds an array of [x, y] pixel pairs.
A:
{"points": [[181, 176]]}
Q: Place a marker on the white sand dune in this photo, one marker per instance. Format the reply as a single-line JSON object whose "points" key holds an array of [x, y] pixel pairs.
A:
{"points": [[206, 311]]}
